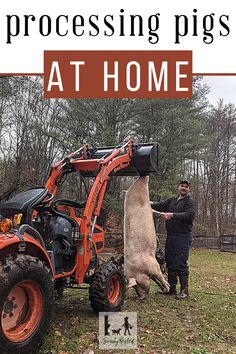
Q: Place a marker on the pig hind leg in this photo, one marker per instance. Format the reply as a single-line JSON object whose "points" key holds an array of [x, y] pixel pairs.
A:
{"points": [[159, 279]]}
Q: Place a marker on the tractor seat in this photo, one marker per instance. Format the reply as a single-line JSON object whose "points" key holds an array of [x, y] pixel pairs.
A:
{"points": [[23, 201]]}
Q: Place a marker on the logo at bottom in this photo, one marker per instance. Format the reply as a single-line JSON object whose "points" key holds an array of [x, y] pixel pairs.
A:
{"points": [[118, 330]]}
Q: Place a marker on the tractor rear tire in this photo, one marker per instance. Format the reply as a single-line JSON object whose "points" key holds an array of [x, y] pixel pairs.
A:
{"points": [[26, 304], [107, 289]]}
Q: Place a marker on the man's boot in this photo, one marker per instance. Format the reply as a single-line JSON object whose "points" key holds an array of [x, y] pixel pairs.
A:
{"points": [[183, 288], [172, 280]]}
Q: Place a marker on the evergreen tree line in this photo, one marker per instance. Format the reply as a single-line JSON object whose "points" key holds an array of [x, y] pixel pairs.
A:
{"points": [[197, 141]]}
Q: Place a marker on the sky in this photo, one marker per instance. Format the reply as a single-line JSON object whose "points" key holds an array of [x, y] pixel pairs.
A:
{"points": [[221, 87]]}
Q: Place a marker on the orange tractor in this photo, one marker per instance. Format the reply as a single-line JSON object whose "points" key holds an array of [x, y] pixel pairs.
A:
{"points": [[45, 245]]}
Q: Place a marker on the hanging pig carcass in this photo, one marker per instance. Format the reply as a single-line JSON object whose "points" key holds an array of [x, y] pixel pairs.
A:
{"points": [[140, 240]]}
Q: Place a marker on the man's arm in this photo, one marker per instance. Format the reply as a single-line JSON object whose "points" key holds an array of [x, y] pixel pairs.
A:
{"points": [[187, 215], [162, 205]]}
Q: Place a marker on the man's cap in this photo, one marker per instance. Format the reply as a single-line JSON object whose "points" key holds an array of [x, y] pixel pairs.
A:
{"points": [[184, 181]]}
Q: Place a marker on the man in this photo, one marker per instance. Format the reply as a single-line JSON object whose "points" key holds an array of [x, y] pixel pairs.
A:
{"points": [[178, 212]]}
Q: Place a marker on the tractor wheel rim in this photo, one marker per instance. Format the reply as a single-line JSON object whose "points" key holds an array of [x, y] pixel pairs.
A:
{"points": [[22, 311], [114, 289]]}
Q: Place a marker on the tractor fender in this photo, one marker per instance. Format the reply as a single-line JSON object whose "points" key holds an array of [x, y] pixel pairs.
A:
{"points": [[9, 244]]}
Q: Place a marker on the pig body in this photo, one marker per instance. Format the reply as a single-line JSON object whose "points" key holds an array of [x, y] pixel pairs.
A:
{"points": [[140, 240]]}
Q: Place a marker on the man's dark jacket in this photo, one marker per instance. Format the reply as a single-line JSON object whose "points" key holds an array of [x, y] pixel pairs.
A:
{"points": [[183, 214]]}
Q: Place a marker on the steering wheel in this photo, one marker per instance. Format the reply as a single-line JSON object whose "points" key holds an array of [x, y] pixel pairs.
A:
{"points": [[49, 197]]}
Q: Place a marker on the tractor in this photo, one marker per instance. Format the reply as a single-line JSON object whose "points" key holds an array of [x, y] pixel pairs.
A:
{"points": [[47, 243]]}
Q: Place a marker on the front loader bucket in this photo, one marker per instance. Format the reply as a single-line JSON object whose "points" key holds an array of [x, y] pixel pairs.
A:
{"points": [[144, 161]]}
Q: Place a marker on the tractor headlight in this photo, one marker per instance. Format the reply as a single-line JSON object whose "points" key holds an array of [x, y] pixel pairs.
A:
{"points": [[6, 225]]}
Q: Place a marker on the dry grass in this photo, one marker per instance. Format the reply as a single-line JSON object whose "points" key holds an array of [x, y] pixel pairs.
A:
{"points": [[204, 324]]}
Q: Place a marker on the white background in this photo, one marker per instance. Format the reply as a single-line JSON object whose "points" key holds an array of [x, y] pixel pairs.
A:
{"points": [[25, 54]]}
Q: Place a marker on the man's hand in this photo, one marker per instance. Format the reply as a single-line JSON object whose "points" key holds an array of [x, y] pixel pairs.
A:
{"points": [[166, 216]]}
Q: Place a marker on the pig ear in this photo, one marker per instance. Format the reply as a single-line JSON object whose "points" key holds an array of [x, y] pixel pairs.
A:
{"points": [[132, 282]]}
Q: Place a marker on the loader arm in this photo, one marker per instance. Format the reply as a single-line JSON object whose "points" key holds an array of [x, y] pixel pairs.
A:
{"points": [[114, 162], [59, 169]]}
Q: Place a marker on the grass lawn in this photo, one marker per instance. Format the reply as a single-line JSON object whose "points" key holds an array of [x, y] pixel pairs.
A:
{"points": [[204, 324]]}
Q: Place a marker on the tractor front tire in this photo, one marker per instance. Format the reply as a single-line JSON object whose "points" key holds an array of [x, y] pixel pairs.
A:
{"points": [[107, 289], [26, 304]]}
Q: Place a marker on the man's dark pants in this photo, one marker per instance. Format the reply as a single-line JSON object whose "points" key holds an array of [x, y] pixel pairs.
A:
{"points": [[177, 254]]}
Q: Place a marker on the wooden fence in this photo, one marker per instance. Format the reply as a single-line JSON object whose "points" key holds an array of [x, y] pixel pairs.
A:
{"points": [[225, 243], [228, 243], [206, 242]]}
